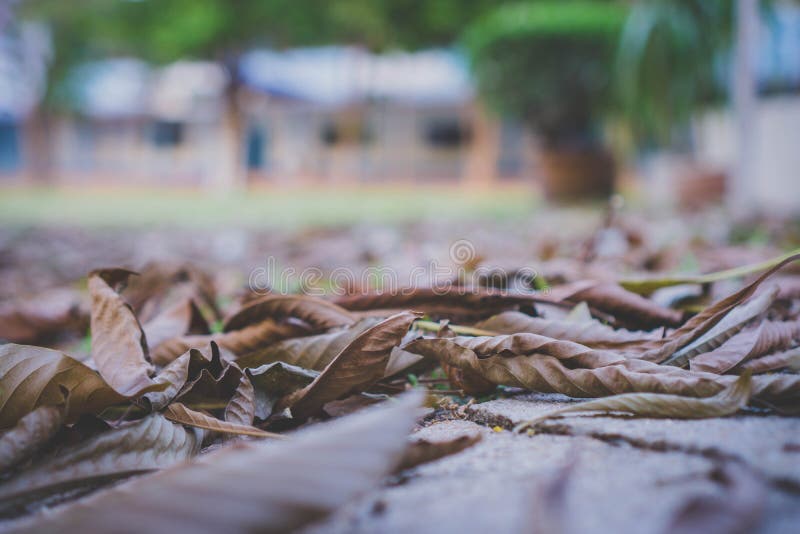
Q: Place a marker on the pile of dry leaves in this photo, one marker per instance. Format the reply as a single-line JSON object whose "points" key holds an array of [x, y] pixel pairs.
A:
{"points": [[170, 377]]}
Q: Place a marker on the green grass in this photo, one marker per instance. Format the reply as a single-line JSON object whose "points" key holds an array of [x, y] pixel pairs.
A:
{"points": [[282, 208]]}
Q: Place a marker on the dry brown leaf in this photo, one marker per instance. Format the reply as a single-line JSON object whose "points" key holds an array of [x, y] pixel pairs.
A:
{"points": [[32, 318], [627, 307], [29, 435], [214, 385], [728, 326], [318, 313], [457, 303], [33, 376], [272, 381], [548, 374], [773, 362], [152, 443], [767, 337], [359, 365], [269, 487], [514, 345], [241, 409], [310, 352], [421, 451], [592, 334], [179, 413], [175, 375], [182, 319], [727, 402], [162, 284], [236, 342], [700, 324], [119, 347]]}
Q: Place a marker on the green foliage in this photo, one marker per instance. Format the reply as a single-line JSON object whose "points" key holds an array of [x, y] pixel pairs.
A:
{"points": [[549, 63], [667, 62], [162, 31]]}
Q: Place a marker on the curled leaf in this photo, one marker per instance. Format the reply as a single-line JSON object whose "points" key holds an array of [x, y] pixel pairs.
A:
{"points": [[241, 409], [33, 376], [728, 326], [645, 286], [119, 348], [318, 313], [236, 342], [268, 487], [590, 333], [182, 318], [310, 352], [179, 413], [359, 365], [458, 303], [774, 362], [767, 337], [174, 376], [29, 319], [273, 381], [699, 325], [628, 308], [548, 374], [512, 345], [727, 402]]}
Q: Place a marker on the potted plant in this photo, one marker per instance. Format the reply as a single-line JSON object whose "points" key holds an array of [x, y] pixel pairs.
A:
{"points": [[670, 65], [550, 64]]}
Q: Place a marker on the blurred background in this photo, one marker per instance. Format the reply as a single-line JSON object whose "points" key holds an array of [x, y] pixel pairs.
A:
{"points": [[386, 104]]}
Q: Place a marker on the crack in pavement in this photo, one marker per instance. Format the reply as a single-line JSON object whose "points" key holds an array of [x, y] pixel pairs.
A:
{"points": [[479, 417]]}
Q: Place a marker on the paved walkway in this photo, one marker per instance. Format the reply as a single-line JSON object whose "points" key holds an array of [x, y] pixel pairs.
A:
{"points": [[592, 474]]}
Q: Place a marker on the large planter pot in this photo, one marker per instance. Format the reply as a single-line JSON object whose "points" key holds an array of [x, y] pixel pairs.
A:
{"points": [[571, 174]]}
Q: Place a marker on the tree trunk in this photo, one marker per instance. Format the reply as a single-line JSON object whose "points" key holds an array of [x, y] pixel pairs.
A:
{"points": [[38, 148]]}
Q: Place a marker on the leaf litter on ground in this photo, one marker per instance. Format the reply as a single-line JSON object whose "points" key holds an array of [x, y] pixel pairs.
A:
{"points": [[167, 390]]}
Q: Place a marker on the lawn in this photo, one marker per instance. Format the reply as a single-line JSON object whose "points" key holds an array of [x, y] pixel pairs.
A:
{"points": [[292, 207]]}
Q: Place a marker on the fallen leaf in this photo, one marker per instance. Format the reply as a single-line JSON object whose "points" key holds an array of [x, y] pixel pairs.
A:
{"points": [[590, 333], [548, 374], [628, 308], [174, 376], [36, 317], [30, 434], [152, 443], [700, 324], [318, 313], [457, 303], [727, 402], [767, 337], [773, 362], [119, 348], [241, 409], [269, 487], [359, 365], [33, 376], [179, 413], [183, 318], [272, 381], [236, 342], [645, 286], [310, 352], [728, 326], [513, 345]]}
